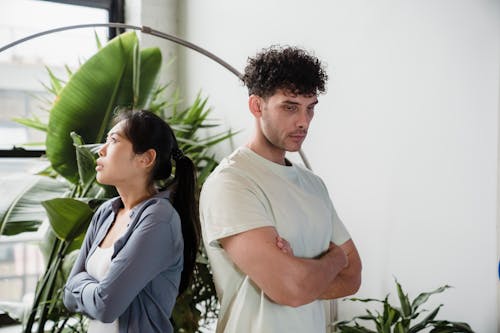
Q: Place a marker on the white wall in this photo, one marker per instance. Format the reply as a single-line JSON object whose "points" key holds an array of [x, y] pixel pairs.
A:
{"points": [[406, 137]]}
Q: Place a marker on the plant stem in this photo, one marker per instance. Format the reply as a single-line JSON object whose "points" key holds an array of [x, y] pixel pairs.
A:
{"points": [[51, 284], [41, 289]]}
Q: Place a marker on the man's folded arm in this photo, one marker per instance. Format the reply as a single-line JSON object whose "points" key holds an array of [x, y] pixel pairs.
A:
{"points": [[285, 279], [348, 281]]}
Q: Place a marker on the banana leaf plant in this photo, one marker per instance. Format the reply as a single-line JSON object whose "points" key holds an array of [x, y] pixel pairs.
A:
{"points": [[118, 75], [407, 318]]}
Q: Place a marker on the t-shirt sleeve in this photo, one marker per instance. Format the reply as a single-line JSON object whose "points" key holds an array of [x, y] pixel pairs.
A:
{"points": [[340, 234], [231, 204]]}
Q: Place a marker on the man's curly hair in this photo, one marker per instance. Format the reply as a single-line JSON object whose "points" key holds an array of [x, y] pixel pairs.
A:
{"points": [[288, 68]]}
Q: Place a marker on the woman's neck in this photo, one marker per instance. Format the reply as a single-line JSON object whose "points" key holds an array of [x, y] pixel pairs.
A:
{"points": [[133, 197]]}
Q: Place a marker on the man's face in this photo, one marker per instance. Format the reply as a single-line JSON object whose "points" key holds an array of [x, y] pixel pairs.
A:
{"points": [[285, 119]]}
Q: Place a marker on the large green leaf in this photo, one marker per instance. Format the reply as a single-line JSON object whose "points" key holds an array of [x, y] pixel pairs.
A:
{"points": [[444, 326], [68, 217], [85, 158], [86, 103], [403, 299], [49, 238], [68, 263], [423, 297], [355, 329], [20, 207], [150, 68], [426, 321], [34, 122]]}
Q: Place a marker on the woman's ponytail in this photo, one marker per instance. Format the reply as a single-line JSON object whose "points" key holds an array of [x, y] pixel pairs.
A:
{"points": [[185, 202]]}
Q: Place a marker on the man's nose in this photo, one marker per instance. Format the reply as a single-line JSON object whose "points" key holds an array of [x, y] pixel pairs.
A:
{"points": [[303, 120]]}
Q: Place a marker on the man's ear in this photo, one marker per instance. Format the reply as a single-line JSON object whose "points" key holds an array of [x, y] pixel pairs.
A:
{"points": [[255, 105], [147, 159]]}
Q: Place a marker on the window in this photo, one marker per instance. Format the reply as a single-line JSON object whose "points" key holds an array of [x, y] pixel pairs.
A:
{"points": [[22, 94], [23, 66]]}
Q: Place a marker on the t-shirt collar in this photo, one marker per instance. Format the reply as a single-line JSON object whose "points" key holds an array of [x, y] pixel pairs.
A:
{"points": [[287, 171]]}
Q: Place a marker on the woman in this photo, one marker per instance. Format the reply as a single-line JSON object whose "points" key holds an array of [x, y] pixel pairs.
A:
{"points": [[140, 248]]}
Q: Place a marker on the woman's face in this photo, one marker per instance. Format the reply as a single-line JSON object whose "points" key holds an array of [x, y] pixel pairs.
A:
{"points": [[117, 162]]}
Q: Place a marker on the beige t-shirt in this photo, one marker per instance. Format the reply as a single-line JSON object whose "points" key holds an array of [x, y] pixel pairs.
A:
{"points": [[247, 191]]}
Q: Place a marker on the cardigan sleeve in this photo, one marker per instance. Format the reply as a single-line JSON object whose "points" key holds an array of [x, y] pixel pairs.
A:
{"points": [[153, 246]]}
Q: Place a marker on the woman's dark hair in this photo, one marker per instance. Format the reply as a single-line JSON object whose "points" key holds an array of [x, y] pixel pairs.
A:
{"points": [[289, 68], [146, 130]]}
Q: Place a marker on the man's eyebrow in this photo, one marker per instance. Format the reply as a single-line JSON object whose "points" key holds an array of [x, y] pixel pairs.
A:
{"points": [[297, 103], [290, 102]]}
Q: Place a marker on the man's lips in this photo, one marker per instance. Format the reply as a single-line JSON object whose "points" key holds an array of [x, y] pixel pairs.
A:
{"points": [[298, 136]]}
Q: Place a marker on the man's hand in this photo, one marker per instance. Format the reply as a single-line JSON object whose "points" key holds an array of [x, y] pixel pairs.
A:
{"points": [[333, 249], [342, 283], [348, 281], [336, 251], [284, 246]]}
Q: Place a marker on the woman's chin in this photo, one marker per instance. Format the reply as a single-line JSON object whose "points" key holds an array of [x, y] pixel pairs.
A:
{"points": [[102, 180]]}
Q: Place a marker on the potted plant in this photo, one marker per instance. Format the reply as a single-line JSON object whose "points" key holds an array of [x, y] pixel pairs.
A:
{"points": [[120, 74], [408, 318]]}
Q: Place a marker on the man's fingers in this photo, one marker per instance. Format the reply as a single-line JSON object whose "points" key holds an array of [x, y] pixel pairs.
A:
{"points": [[283, 245]]}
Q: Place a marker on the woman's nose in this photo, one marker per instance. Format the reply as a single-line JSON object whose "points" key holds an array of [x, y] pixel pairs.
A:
{"points": [[101, 151]]}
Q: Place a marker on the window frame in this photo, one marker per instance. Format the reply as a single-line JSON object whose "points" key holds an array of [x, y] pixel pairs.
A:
{"points": [[115, 8], [116, 14]]}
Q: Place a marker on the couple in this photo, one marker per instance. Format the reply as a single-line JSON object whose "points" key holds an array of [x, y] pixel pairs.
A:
{"points": [[274, 240]]}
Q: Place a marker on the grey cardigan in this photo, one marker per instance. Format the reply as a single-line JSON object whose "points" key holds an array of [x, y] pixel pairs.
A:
{"points": [[144, 275]]}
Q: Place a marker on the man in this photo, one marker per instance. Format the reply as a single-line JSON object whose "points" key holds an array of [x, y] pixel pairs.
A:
{"points": [[275, 243]]}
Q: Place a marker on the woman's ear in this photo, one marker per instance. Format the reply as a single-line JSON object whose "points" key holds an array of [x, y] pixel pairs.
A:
{"points": [[255, 104], [147, 159]]}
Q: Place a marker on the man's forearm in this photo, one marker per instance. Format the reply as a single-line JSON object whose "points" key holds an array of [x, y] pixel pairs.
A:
{"points": [[309, 278], [340, 284], [343, 285], [348, 281]]}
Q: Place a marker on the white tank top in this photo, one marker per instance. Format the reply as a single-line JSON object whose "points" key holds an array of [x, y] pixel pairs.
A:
{"points": [[97, 267]]}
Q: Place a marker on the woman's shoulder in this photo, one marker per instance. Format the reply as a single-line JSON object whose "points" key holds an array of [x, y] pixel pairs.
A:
{"points": [[159, 217], [159, 206]]}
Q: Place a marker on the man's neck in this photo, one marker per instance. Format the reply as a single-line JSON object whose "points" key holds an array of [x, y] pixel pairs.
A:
{"points": [[272, 154]]}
